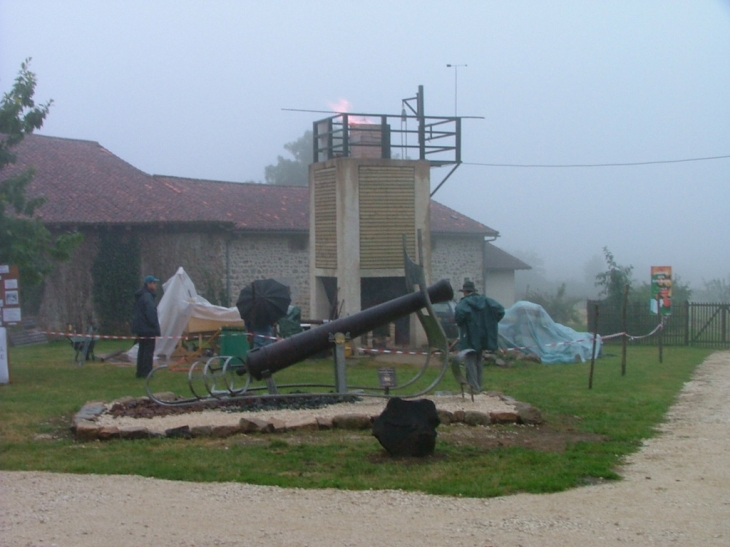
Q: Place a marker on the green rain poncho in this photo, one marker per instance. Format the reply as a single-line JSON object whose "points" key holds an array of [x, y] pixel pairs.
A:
{"points": [[478, 318]]}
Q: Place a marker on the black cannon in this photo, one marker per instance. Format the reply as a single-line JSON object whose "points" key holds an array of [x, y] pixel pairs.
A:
{"points": [[263, 362]]}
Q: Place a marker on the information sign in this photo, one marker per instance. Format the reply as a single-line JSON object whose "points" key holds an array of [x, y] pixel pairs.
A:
{"points": [[661, 290], [9, 295]]}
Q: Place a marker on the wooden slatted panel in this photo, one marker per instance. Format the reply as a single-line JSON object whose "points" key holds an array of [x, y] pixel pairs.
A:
{"points": [[325, 219], [387, 210]]}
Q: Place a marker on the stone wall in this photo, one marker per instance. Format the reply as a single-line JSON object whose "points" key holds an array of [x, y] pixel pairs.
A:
{"points": [[67, 291], [202, 254], [67, 295], [457, 258], [284, 257]]}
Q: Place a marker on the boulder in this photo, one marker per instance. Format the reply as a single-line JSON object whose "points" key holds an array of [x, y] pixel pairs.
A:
{"points": [[134, 432], [201, 430], [222, 431], [473, 417], [182, 432], [255, 425], [86, 430], [504, 417], [407, 428], [303, 424], [528, 414], [351, 421], [90, 411], [277, 425], [110, 432], [446, 417]]}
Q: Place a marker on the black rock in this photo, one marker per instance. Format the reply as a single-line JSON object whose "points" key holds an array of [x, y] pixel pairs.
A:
{"points": [[407, 428]]}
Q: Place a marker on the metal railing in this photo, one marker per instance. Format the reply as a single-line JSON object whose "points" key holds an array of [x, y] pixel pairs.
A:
{"points": [[699, 324], [433, 138]]}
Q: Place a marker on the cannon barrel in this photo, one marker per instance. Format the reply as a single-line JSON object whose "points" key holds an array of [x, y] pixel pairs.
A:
{"points": [[264, 362]]}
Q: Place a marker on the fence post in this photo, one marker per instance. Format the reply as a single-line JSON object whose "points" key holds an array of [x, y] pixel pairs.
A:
{"points": [[686, 322], [593, 353], [661, 329]]}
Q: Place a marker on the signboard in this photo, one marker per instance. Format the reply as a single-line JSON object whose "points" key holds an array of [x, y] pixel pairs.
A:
{"points": [[386, 377], [661, 290], [9, 295]]}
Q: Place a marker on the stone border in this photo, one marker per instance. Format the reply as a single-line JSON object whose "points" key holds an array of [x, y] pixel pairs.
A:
{"points": [[86, 428]]}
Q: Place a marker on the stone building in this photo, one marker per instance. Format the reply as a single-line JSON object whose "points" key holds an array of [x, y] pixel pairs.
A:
{"points": [[224, 234]]}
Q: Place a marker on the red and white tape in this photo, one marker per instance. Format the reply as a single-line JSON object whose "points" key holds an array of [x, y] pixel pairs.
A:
{"points": [[119, 337], [362, 350]]}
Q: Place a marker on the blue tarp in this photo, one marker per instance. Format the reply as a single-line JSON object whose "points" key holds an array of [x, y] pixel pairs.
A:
{"points": [[529, 328]]}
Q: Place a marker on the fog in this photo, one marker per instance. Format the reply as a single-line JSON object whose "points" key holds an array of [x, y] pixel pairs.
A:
{"points": [[200, 89]]}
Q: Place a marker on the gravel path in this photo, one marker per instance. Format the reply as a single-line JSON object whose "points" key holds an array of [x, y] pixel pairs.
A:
{"points": [[676, 492]]}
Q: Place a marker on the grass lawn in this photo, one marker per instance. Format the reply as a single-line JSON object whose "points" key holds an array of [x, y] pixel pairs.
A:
{"points": [[47, 389]]}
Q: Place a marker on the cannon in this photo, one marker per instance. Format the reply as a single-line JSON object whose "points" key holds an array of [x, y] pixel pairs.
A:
{"points": [[263, 362]]}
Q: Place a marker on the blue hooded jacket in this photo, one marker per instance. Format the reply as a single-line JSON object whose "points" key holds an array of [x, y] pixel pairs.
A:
{"points": [[144, 319]]}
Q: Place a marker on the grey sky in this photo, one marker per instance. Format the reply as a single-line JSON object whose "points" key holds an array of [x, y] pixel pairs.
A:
{"points": [[197, 88]]}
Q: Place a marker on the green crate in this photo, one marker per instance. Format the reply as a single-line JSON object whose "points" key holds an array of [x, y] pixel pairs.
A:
{"points": [[234, 342]]}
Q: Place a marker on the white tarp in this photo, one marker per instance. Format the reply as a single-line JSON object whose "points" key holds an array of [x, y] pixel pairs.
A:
{"points": [[182, 310]]}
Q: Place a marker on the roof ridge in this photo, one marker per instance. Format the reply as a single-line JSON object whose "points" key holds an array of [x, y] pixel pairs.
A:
{"points": [[195, 179], [32, 135]]}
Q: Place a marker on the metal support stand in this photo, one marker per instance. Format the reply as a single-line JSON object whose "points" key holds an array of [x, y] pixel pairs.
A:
{"points": [[340, 340], [260, 365], [271, 385]]}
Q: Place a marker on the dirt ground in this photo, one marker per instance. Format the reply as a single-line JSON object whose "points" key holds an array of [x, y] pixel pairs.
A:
{"points": [[676, 491]]}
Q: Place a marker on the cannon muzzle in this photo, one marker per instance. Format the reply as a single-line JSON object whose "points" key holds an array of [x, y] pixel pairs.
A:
{"points": [[263, 362]]}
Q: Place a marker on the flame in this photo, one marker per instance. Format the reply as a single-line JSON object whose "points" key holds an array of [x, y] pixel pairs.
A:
{"points": [[343, 106]]}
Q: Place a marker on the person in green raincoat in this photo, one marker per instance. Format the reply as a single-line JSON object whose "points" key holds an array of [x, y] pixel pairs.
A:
{"points": [[478, 318]]}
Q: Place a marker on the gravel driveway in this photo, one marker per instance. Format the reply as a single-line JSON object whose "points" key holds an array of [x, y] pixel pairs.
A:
{"points": [[676, 492]]}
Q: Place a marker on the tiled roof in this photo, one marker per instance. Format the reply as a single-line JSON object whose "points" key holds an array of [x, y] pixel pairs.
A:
{"points": [[497, 259], [87, 184], [446, 220], [249, 206], [275, 208]]}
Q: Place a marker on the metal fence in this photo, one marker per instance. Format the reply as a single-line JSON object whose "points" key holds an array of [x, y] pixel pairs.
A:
{"points": [[700, 324]]}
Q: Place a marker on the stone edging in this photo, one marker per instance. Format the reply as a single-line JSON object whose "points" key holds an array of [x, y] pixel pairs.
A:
{"points": [[86, 428]]}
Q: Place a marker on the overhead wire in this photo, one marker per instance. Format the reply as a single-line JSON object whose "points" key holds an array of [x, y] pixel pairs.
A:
{"points": [[569, 165]]}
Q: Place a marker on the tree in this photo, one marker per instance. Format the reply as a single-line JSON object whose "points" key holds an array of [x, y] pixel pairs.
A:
{"points": [[292, 172], [613, 281], [715, 290], [534, 279], [24, 240]]}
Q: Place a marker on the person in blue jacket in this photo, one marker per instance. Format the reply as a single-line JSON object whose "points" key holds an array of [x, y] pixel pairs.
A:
{"points": [[478, 318], [145, 324]]}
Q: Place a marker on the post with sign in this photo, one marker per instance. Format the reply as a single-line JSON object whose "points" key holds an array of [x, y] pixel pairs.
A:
{"points": [[9, 313], [661, 290]]}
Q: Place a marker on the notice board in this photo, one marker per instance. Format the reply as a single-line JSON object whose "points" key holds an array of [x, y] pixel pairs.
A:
{"points": [[9, 295]]}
